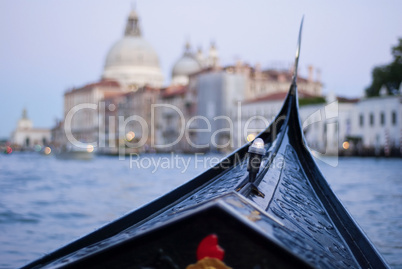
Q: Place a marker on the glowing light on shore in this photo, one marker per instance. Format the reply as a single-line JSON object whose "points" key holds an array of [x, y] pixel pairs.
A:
{"points": [[47, 150], [90, 148], [345, 145], [130, 136], [250, 137]]}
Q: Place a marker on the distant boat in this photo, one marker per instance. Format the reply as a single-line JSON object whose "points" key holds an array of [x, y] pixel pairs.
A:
{"points": [[266, 205], [75, 153]]}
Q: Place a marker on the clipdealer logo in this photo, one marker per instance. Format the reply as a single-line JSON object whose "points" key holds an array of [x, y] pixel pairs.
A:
{"points": [[240, 128]]}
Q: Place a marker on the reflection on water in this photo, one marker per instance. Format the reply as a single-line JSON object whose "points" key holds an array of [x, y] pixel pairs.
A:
{"points": [[46, 203]]}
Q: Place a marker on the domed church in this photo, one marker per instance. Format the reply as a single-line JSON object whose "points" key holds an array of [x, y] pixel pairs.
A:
{"points": [[132, 60], [132, 79]]}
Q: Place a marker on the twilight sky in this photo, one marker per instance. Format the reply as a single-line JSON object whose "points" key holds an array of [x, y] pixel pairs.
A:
{"points": [[49, 46]]}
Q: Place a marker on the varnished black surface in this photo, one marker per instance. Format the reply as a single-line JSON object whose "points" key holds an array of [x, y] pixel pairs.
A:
{"points": [[177, 251], [298, 221]]}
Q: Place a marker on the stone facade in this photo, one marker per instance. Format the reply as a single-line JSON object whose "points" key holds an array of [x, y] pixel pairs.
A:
{"points": [[25, 136]]}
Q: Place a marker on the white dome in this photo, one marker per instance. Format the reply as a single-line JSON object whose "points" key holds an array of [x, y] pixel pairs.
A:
{"points": [[184, 67], [132, 60], [132, 51]]}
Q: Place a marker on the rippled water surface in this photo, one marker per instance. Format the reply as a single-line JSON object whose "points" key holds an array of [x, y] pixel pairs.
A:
{"points": [[371, 190], [46, 203]]}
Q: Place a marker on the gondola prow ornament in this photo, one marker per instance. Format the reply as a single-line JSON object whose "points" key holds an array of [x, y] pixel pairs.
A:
{"points": [[256, 152], [209, 255]]}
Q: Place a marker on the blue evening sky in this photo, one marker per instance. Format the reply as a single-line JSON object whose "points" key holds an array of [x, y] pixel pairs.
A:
{"points": [[49, 46]]}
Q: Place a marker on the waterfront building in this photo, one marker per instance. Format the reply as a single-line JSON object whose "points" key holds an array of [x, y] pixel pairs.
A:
{"points": [[25, 136], [205, 95], [131, 64], [262, 83], [256, 114], [109, 137], [217, 94], [209, 107], [177, 106], [242, 94], [137, 121], [369, 126], [377, 126], [337, 125], [327, 125], [326, 122], [82, 108]]}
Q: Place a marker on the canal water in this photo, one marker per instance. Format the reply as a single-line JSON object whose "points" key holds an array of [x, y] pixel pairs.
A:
{"points": [[46, 203]]}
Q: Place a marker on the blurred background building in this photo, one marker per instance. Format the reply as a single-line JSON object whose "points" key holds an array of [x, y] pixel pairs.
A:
{"points": [[208, 107], [132, 60], [376, 126], [25, 136]]}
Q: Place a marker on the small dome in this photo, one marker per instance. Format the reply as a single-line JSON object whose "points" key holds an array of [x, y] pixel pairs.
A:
{"points": [[185, 66]]}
